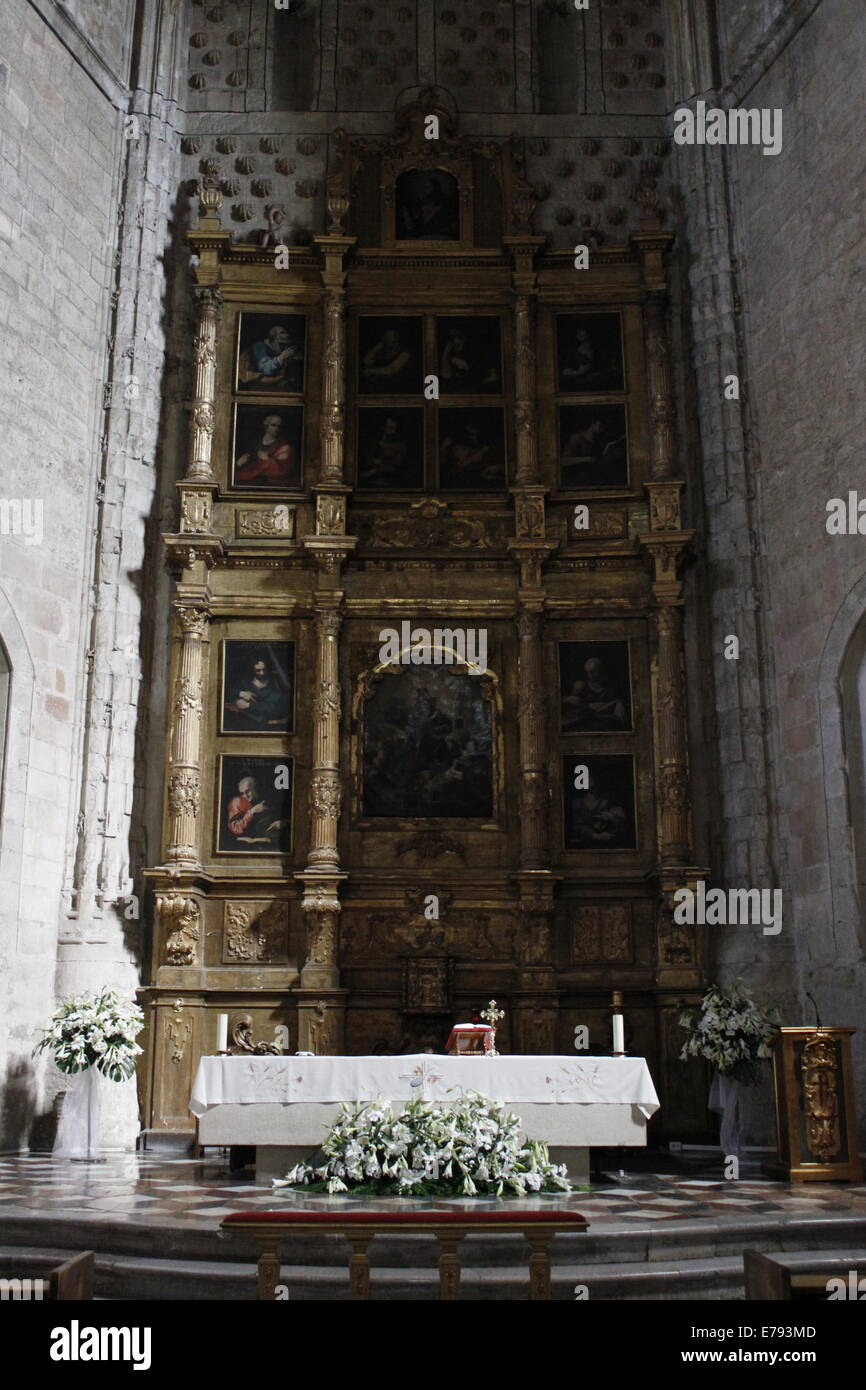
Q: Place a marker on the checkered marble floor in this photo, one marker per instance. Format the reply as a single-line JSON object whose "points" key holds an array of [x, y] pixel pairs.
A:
{"points": [[195, 1193]]}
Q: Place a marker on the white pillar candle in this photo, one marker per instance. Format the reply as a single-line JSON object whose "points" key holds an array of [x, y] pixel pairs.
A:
{"points": [[618, 1033], [222, 1032]]}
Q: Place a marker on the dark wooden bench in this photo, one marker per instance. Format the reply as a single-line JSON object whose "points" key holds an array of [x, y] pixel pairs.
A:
{"points": [[269, 1228], [772, 1281]]}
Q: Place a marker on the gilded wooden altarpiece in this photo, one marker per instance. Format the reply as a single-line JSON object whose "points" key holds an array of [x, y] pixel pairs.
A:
{"points": [[359, 927]]}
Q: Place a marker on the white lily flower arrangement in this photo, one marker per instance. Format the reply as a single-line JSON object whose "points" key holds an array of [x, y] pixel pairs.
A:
{"points": [[730, 1030], [94, 1031], [469, 1147]]}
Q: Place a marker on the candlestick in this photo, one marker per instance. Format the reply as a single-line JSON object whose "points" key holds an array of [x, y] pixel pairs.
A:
{"points": [[618, 1024], [222, 1032]]}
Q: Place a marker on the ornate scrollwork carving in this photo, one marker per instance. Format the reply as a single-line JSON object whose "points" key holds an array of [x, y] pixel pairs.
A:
{"points": [[430, 844], [326, 795], [188, 698], [327, 701], [242, 1041], [321, 937], [426, 531], [255, 931], [820, 1068], [203, 417], [330, 515], [184, 793], [195, 512], [180, 917]]}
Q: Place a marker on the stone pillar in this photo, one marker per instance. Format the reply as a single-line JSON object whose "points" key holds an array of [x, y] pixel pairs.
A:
{"points": [[202, 405], [184, 782]]}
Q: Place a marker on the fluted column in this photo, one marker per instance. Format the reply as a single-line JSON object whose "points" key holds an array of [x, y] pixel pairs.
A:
{"points": [[184, 782], [533, 767], [660, 387], [526, 472], [202, 405], [673, 777], [333, 386], [325, 789]]}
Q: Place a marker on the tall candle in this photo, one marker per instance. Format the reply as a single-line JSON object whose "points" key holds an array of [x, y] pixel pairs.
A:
{"points": [[222, 1032], [618, 1033]]}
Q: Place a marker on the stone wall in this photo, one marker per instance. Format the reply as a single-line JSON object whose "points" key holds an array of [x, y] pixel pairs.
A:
{"points": [[799, 225], [84, 220], [772, 265]]}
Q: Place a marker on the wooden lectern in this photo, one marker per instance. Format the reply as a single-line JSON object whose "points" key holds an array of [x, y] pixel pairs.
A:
{"points": [[816, 1121]]}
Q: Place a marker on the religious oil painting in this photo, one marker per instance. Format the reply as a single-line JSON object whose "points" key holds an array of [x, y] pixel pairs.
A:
{"points": [[428, 745], [595, 687], [598, 801], [469, 355], [427, 206], [593, 446], [589, 353], [390, 355], [268, 446], [391, 449], [471, 448], [254, 805], [271, 351], [258, 681]]}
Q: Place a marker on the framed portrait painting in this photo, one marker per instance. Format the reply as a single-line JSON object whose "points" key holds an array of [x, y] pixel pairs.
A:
{"points": [[427, 746], [390, 448], [390, 355], [257, 688], [593, 447], [471, 448], [469, 355], [589, 355], [271, 353], [254, 804], [426, 206], [268, 446], [595, 688], [599, 801]]}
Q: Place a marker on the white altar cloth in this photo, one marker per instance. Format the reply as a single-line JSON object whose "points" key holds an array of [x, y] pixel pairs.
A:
{"points": [[591, 1081]]}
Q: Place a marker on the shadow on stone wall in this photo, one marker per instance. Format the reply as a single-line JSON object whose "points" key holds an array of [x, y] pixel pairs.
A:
{"points": [[18, 1106]]}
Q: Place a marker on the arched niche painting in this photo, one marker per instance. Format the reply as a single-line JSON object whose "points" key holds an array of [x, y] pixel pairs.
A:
{"points": [[427, 744], [426, 206]]}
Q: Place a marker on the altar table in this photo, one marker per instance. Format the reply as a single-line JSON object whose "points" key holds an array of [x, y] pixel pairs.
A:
{"points": [[284, 1105]]}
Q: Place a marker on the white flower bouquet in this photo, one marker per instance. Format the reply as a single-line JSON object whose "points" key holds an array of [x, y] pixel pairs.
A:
{"points": [[94, 1031], [467, 1148], [730, 1030]]}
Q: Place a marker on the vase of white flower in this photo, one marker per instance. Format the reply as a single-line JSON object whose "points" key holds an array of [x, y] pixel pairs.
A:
{"points": [[732, 1032], [467, 1148], [91, 1037]]}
